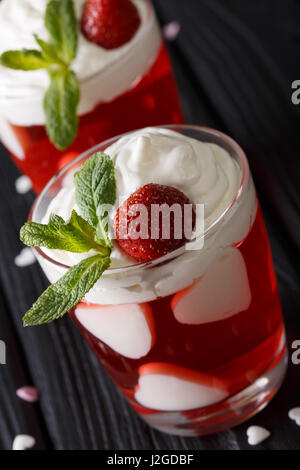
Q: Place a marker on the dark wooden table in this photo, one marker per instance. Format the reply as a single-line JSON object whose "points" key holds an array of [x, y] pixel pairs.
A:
{"points": [[234, 62]]}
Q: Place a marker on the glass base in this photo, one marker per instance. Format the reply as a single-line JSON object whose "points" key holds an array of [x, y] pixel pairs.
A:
{"points": [[228, 413]]}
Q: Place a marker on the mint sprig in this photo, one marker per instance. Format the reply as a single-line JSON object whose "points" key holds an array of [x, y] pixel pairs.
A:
{"points": [[76, 236], [62, 97], [61, 24], [95, 183], [67, 291], [48, 52], [60, 104], [25, 59], [95, 186]]}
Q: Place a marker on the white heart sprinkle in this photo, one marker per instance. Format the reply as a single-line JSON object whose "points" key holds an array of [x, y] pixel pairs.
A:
{"points": [[28, 393], [25, 257], [294, 414], [23, 184], [23, 442], [257, 434]]}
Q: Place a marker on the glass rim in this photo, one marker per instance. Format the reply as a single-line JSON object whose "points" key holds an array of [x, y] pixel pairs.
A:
{"points": [[242, 160]]}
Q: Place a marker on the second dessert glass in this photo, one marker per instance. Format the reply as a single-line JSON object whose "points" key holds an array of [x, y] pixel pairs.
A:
{"points": [[204, 358], [135, 91]]}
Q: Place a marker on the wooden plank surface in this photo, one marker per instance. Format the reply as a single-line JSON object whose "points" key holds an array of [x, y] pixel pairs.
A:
{"points": [[234, 65]]}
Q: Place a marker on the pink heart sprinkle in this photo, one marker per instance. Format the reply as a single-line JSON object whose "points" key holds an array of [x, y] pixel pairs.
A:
{"points": [[27, 393], [171, 30]]}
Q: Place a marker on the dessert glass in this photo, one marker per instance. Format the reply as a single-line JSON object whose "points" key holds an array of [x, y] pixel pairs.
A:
{"points": [[202, 358], [150, 99]]}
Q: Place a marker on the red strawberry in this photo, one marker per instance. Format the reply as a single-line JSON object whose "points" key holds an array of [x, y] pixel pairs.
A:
{"points": [[135, 234], [109, 23]]}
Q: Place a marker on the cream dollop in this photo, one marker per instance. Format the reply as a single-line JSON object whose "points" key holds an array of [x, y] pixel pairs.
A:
{"points": [[103, 74], [205, 172]]}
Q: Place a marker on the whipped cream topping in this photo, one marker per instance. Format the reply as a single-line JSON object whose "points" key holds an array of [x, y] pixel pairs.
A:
{"points": [[205, 172], [103, 74]]}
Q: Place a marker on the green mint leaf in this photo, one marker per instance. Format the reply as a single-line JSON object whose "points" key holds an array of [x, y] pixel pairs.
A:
{"points": [[60, 106], [26, 59], [60, 297], [61, 23], [76, 236], [48, 51], [86, 231], [95, 186]]}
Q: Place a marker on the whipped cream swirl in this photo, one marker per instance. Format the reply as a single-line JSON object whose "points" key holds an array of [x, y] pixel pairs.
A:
{"points": [[205, 172]]}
